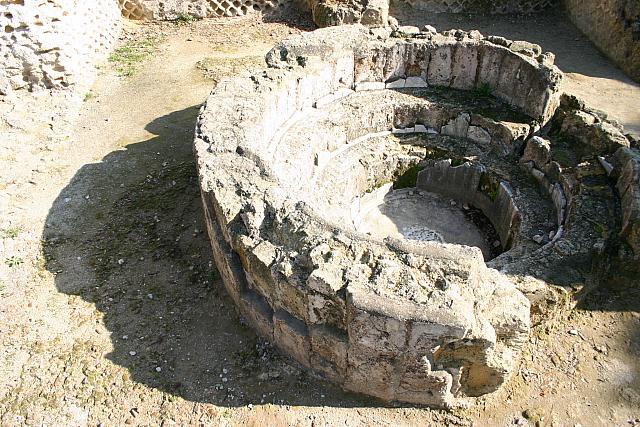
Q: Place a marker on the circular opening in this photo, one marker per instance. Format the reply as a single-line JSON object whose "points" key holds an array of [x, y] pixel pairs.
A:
{"points": [[419, 215]]}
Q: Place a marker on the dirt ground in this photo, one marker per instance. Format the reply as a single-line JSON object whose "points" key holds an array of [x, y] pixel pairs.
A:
{"points": [[111, 312]]}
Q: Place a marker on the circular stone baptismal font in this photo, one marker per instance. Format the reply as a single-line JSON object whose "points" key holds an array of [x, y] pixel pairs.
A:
{"points": [[392, 210]]}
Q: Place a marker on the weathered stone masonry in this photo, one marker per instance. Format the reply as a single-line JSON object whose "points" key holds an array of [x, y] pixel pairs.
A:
{"points": [[54, 43], [613, 26], [417, 322]]}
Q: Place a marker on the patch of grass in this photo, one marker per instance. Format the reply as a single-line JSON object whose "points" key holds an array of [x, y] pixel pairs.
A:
{"points": [[13, 261], [408, 178], [3, 288], [488, 186], [457, 162], [88, 96], [483, 91], [10, 232], [127, 58], [185, 19]]}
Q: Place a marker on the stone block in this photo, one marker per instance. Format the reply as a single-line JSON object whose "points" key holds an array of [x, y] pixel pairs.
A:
{"points": [[479, 135], [538, 151], [373, 335], [419, 385], [464, 65], [375, 14], [415, 82], [329, 352], [396, 84], [457, 127], [440, 66], [227, 261], [292, 296], [526, 48], [491, 66], [503, 134], [326, 310], [257, 262], [362, 86], [291, 336], [257, 312], [375, 377]]}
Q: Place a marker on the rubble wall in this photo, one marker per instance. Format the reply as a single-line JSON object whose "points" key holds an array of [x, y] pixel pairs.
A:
{"points": [[613, 26], [54, 43], [172, 9]]}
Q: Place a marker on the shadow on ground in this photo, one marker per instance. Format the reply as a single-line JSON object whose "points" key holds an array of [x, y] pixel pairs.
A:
{"points": [[127, 235]]}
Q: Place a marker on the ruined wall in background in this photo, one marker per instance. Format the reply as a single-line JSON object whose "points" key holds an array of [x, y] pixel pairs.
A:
{"points": [[613, 26], [54, 43], [172, 9], [480, 6]]}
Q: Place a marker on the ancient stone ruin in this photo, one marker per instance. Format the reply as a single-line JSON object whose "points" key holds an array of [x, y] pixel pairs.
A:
{"points": [[345, 184]]}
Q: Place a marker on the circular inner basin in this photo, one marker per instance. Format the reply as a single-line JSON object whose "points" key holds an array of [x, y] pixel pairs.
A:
{"points": [[419, 215], [358, 148]]}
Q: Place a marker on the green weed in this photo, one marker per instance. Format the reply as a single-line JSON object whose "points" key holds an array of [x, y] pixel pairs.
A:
{"points": [[484, 90], [184, 19], [88, 96], [10, 232], [13, 261], [127, 58]]}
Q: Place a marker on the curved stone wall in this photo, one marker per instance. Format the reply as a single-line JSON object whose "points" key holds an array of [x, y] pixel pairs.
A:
{"points": [[54, 43], [411, 321]]}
